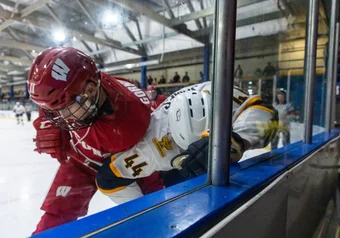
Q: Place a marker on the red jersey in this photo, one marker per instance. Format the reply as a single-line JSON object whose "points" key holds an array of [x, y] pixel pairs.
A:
{"points": [[116, 132], [158, 101], [72, 187]]}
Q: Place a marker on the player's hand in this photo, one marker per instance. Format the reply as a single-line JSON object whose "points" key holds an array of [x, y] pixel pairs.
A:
{"points": [[51, 140], [194, 161]]}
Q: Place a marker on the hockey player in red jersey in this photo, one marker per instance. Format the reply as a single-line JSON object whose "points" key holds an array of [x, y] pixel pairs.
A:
{"points": [[155, 98], [84, 116]]}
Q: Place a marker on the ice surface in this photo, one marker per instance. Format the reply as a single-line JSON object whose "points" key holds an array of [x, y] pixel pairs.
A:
{"points": [[25, 177]]}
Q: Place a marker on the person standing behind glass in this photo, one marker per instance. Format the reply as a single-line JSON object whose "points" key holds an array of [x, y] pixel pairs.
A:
{"points": [[186, 78], [257, 74], [284, 110], [176, 78], [162, 80], [201, 77], [28, 108], [238, 72], [269, 70]]}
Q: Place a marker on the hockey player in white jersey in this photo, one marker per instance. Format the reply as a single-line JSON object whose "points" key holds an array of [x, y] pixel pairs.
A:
{"points": [[178, 137], [19, 111]]}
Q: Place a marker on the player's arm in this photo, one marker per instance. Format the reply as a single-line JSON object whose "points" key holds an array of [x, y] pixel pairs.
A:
{"points": [[116, 187], [257, 124], [50, 139], [119, 173]]}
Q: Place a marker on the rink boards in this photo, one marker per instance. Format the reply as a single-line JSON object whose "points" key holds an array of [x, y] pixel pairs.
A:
{"points": [[282, 193]]}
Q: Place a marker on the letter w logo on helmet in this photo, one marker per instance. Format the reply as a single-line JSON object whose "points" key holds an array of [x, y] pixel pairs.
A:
{"points": [[60, 70]]}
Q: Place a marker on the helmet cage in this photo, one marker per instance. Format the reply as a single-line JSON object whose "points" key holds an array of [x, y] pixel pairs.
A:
{"points": [[72, 120]]}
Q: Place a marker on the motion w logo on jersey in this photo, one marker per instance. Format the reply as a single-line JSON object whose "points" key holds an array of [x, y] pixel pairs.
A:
{"points": [[63, 191]]}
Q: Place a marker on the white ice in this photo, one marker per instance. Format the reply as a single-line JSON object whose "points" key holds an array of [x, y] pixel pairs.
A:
{"points": [[25, 177]]}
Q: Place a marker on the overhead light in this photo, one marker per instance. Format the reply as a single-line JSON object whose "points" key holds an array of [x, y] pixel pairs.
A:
{"points": [[129, 66], [111, 17], [15, 72], [59, 35], [74, 38], [34, 53]]}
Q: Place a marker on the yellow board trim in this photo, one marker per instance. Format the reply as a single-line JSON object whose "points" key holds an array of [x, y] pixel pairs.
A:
{"points": [[115, 170], [109, 191], [299, 72]]}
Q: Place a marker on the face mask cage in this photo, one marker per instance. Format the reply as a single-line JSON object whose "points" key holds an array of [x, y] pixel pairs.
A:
{"points": [[83, 113]]}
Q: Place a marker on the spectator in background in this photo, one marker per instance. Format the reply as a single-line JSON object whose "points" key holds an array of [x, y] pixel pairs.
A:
{"points": [[238, 72], [176, 78], [162, 80], [150, 80], [155, 81], [270, 70], [155, 97], [19, 110], [257, 74], [201, 77], [186, 78], [28, 109], [284, 109]]}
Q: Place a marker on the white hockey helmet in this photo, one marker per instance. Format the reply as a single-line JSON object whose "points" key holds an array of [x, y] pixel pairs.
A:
{"points": [[189, 117]]}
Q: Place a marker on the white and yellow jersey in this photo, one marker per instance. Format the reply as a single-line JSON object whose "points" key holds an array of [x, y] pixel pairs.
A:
{"points": [[19, 109], [251, 121]]}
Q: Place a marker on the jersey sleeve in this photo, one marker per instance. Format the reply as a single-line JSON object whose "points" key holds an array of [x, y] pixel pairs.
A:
{"points": [[152, 153], [256, 122]]}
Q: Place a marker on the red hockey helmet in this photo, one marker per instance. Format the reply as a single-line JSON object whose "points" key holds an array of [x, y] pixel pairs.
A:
{"points": [[151, 92], [57, 76], [151, 88]]}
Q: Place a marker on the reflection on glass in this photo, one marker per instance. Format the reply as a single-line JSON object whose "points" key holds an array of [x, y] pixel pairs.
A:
{"points": [[270, 62]]}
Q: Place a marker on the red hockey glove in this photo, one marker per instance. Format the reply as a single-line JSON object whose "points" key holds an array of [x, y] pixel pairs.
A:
{"points": [[51, 140]]}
